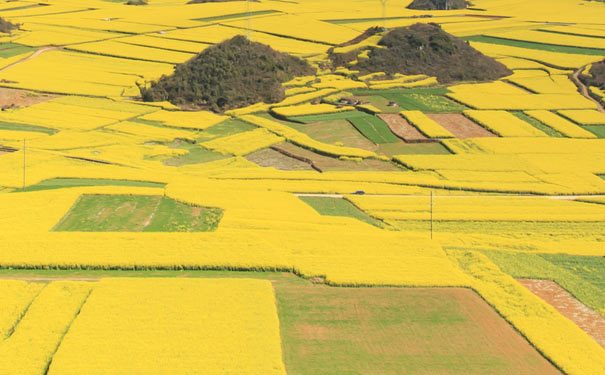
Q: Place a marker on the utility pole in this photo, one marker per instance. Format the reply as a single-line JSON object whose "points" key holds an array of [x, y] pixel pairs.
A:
{"points": [[249, 21], [432, 214], [24, 163], [384, 13]]}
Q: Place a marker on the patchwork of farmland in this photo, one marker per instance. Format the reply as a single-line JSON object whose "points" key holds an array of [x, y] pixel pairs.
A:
{"points": [[359, 222]]}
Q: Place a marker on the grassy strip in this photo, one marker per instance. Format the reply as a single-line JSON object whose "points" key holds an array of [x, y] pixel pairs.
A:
{"points": [[195, 155], [598, 130], [224, 129], [538, 124], [400, 148], [535, 45], [60, 183], [235, 15], [328, 206], [328, 117], [579, 275], [137, 213], [27, 128], [425, 103], [374, 129], [14, 50], [427, 91]]}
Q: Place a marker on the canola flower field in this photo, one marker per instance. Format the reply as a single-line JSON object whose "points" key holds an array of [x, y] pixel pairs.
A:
{"points": [[469, 185]]}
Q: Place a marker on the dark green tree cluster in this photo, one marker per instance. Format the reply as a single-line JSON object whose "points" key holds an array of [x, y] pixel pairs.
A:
{"points": [[427, 49], [233, 74]]}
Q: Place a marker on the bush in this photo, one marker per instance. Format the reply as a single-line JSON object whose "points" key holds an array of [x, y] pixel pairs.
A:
{"points": [[438, 4], [7, 27]]}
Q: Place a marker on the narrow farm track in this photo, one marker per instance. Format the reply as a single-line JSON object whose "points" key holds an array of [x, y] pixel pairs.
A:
{"points": [[32, 56], [43, 279], [555, 197], [575, 77]]}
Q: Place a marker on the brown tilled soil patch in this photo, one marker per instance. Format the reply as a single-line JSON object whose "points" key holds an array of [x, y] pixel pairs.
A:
{"points": [[401, 128], [21, 98], [460, 126], [271, 158], [393, 331], [323, 163], [587, 319]]}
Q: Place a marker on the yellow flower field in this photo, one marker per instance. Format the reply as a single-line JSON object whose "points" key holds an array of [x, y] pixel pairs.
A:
{"points": [[223, 326], [513, 166]]}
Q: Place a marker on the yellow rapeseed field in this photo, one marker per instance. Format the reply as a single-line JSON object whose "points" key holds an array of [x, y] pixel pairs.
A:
{"points": [[161, 326], [77, 127]]}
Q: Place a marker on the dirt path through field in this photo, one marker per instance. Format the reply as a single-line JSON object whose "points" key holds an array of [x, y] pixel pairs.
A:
{"points": [[32, 56], [555, 197], [575, 77], [587, 319]]}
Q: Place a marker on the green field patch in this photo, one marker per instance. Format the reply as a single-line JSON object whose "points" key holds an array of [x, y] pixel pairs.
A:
{"points": [[598, 130], [11, 49], [424, 102], [582, 276], [27, 128], [374, 129], [60, 183], [401, 148], [347, 115], [196, 154], [329, 206], [338, 131], [224, 129], [535, 45], [235, 16], [393, 331], [538, 124], [137, 213], [602, 176]]}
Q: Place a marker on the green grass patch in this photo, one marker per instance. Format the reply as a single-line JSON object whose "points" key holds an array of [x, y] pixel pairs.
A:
{"points": [[424, 102], [392, 331], [224, 129], [137, 213], [401, 148], [537, 46], [374, 129], [538, 124], [11, 49], [235, 16], [27, 128], [339, 207], [582, 276], [602, 176], [60, 183], [195, 155], [598, 130], [347, 115]]}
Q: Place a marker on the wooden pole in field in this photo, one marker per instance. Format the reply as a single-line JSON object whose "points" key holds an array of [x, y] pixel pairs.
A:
{"points": [[431, 214], [249, 25], [384, 13], [23, 163]]}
